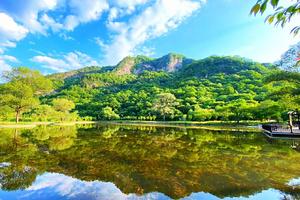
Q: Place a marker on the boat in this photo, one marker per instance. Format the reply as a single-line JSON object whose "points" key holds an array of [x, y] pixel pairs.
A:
{"points": [[292, 129]]}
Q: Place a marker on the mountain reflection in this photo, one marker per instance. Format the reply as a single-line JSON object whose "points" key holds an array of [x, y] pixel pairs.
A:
{"points": [[139, 162]]}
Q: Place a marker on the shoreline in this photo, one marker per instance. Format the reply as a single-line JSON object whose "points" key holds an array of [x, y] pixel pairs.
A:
{"points": [[248, 126], [35, 124]]}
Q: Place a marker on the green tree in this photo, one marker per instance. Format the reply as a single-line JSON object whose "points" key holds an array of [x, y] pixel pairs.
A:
{"points": [[63, 108], [165, 104], [268, 110], [108, 113], [6, 113], [200, 114], [33, 78], [23, 89], [237, 110], [289, 83], [63, 105], [43, 113], [282, 15]]}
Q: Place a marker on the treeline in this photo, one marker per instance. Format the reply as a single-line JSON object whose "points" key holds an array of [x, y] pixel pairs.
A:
{"points": [[215, 88], [20, 97]]}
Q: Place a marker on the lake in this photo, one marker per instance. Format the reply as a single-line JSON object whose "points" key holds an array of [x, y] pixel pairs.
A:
{"points": [[145, 162]]}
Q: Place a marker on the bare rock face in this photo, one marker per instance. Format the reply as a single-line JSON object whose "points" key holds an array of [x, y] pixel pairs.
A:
{"points": [[125, 66], [139, 64], [175, 63]]}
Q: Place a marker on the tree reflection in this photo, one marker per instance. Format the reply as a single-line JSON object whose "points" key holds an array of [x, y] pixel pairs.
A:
{"points": [[142, 159], [17, 177]]}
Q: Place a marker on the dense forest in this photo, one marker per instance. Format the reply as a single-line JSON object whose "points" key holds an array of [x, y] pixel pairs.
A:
{"points": [[172, 87]]}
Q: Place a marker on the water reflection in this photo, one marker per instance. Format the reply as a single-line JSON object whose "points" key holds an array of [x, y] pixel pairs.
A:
{"points": [[58, 186], [126, 162]]}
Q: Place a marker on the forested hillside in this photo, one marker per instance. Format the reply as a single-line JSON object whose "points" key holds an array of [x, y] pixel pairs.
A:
{"points": [[169, 88]]}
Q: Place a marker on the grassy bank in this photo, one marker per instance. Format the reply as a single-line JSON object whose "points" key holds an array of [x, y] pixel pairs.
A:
{"points": [[34, 124], [210, 123]]}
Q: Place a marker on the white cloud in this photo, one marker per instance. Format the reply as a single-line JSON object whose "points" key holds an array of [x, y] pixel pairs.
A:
{"points": [[10, 58], [124, 7], [127, 29], [4, 66], [8, 44], [10, 32], [128, 3], [84, 11], [113, 13], [34, 14], [6, 61], [71, 188], [51, 63], [64, 36], [100, 43], [70, 61], [49, 22], [154, 21], [28, 14]]}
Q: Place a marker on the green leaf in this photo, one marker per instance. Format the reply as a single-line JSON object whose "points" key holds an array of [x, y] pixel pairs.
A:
{"points": [[274, 3], [255, 9], [270, 19], [291, 9], [279, 16], [263, 7]]}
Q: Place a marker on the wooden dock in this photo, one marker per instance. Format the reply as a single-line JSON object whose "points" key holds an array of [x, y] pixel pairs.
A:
{"points": [[282, 135], [281, 131]]}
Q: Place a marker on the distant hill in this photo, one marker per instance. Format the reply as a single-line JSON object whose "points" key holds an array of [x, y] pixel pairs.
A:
{"points": [[215, 64], [80, 72], [171, 63], [206, 89], [132, 65]]}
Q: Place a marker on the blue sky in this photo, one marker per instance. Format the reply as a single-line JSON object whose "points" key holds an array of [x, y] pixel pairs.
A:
{"points": [[61, 35]]}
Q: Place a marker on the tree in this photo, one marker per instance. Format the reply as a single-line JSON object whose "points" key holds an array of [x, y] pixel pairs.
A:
{"points": [[23, 89], [33, 78], [6, 113], [292, 77], [165, 104], [63, 105], [43, 113], [281, 16], [109, 114], [237, 110], [200, 114], [268, 110], [62, 108]]}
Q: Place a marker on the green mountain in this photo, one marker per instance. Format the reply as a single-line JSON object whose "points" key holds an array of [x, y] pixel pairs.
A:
{"points": [[172, 87], [215, 64], [214, 88]]}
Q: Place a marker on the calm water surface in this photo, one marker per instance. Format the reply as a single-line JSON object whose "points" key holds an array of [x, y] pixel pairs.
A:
{"points": [[139, 162]]}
